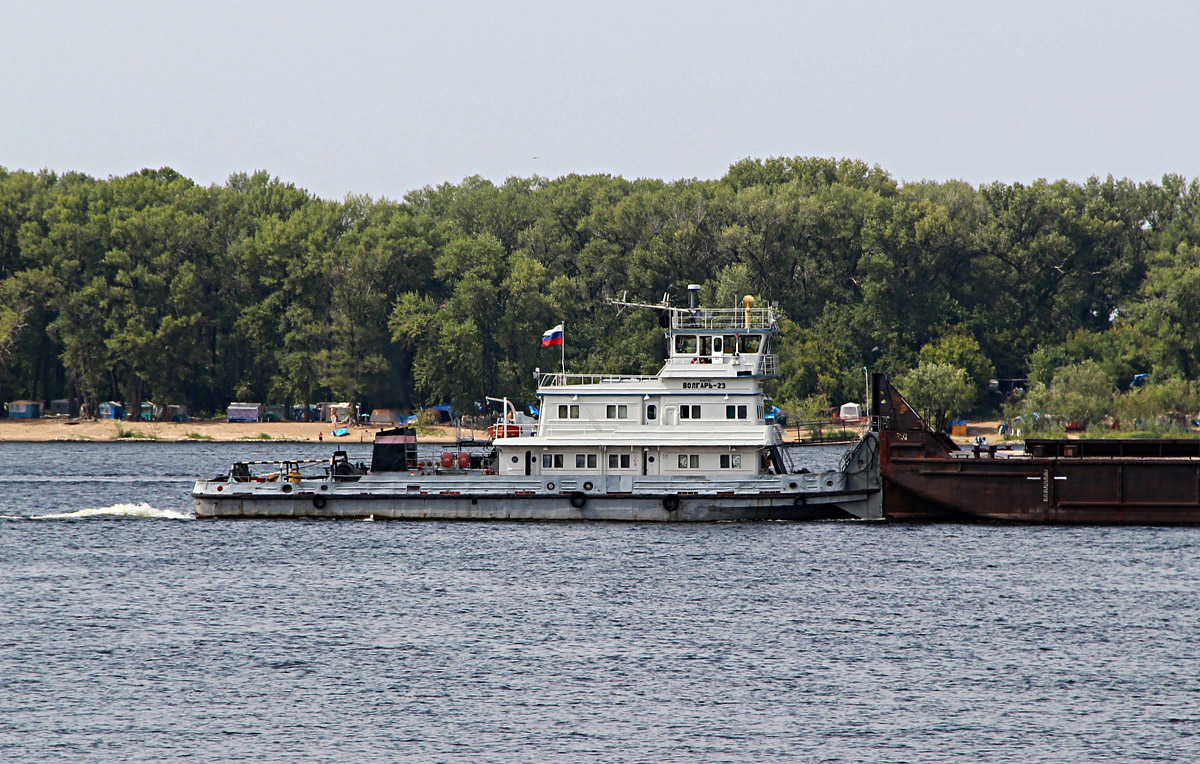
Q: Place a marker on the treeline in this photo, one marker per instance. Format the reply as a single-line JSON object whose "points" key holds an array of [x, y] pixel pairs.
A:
{"points": [[152, 287]]}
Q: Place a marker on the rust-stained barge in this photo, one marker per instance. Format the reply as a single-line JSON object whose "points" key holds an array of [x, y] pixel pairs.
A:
{"points": [[926, 476]]}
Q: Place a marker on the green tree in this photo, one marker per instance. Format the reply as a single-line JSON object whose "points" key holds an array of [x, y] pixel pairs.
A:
{"points": [[936, 391], [960, 349]]}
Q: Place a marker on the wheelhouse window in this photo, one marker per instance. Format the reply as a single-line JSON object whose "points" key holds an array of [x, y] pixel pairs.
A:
{"points": [[569, 412], [685, 344], [731, 461], [689, 412], [617, 411], [749, 343], [735, 412], [729, 344], [689, 461]]}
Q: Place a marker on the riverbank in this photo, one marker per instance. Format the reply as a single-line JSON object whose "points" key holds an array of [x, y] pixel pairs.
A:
{"points": [[46, 430], [54, 429]]}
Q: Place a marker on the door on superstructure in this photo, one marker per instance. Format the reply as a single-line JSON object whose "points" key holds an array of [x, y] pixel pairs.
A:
{"points": [[528, 462]]}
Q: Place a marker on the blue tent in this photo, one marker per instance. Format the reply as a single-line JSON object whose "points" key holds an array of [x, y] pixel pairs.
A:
{"points": [[111, 410], [442, 413]]}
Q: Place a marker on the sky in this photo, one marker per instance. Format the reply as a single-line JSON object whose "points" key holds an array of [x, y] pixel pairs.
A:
{"points": [[380, 98]]}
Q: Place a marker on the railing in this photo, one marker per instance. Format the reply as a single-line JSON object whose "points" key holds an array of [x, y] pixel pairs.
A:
{"points": [[510, 430], [768, 366], [575, 427], [562, 380], [724, 319]]}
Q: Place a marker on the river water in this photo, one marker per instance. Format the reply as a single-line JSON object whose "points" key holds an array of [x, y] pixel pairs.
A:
{"points": [[131, 632]]}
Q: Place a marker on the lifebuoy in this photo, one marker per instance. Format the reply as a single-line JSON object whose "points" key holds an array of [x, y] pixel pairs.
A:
{"points": [[578, 499], [799, 501], [671, 503], [318, 501]]}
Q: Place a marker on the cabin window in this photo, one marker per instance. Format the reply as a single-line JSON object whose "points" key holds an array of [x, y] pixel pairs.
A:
{"points": [[585, 461], [749, 343], [731, 461], [689, 412], [761, 412], [689, 461], [569, 412], [651, 412], [706, 345], [735, 412], [685, 344], [617, 411], [618, 461], [552, 461], [730, 344]]}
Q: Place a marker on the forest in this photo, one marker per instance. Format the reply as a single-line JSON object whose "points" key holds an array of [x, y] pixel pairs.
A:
{"points": [[151, 287]]}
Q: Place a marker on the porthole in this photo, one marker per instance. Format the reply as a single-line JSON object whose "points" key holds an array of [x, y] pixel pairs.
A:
{"points": [[286, 488], [516, 459], [549, 486], [587, 486]]}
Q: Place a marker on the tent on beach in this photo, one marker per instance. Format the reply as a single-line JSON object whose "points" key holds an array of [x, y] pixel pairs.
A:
{"points": [[245, 412], [24, 409]]}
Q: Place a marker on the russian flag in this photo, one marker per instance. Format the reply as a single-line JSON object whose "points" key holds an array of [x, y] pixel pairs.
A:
{"points": [[553, 337]]}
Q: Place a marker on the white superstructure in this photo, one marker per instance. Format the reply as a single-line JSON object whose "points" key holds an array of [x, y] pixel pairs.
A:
{"points": [[704, 413]]}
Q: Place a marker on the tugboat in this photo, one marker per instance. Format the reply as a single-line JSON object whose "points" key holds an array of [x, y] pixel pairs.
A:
{"points": [[690, 443]]}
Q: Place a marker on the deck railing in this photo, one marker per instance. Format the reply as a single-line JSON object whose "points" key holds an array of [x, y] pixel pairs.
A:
{"points": [[725, 319], [562, 380]]}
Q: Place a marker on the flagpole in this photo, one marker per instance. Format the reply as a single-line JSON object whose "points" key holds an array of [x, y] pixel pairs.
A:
{"points": [[562, 346]]}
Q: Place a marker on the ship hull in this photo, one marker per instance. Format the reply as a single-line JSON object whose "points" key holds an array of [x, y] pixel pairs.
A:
{"points": [[628, 508]]}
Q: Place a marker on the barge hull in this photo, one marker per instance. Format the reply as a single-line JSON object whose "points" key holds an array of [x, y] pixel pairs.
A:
{"points": [[1056, 482], [1050, 491]]}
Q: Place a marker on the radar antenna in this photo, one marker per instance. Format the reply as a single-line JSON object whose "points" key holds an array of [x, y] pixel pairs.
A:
{"points": [[622, 304]]}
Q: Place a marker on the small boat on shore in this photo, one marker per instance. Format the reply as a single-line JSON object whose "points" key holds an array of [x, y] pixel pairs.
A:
{"points": [[690, 443], [1131, 481]]}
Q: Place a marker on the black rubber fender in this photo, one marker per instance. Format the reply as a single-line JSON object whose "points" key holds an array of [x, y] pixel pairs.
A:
{"points": [[578, 499], [670, 503], [318, 501]]}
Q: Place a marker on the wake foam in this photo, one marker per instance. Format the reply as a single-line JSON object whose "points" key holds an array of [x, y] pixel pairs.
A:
{"points": [[142, 510]]}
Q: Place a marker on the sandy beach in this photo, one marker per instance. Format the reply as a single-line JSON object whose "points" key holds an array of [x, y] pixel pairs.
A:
{"points": [[49, 429]]}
